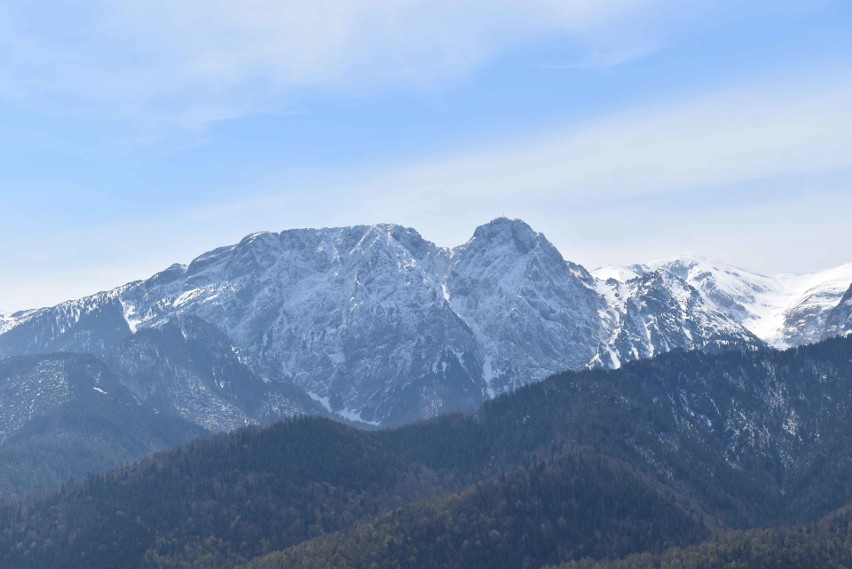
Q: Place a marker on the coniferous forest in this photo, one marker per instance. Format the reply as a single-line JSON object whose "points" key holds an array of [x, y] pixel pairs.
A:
{"points": [[733, 459]]}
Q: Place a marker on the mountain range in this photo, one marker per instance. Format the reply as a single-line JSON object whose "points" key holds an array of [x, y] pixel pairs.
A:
{"points": [[784, 310], [378, 326]]}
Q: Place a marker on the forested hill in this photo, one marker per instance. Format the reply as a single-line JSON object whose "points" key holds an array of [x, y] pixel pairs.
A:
{"points": [[575, 507], [758, 437], [826, 545], [664, 452]]}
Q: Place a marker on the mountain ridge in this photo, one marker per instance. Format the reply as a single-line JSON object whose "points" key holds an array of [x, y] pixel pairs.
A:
{"points": [[784, 310], [382, 326]]}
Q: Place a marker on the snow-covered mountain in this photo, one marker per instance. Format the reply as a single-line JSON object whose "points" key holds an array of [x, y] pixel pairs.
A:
{"points": [[530, 312], [783, 310], [378, 325], [658, 312]]}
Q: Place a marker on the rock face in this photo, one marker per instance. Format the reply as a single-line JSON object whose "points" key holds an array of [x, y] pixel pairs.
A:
{"points": [[839, 320], [658, 312], [188, 368], [89, 325], [529, 310], [378, 325], [784, 310]]}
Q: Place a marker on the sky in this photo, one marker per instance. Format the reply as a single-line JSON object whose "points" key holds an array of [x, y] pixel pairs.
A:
{"points": [[138, 134]]}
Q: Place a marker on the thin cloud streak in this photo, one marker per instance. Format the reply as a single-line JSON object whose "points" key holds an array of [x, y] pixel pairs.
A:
{"points": [[572, 184], [185, 64], [733, 140], [732, 137], [728, 139]]}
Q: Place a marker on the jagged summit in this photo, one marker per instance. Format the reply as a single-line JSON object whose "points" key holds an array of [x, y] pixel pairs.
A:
{"points": [[379, 325], [505, 230], [783, 310]]}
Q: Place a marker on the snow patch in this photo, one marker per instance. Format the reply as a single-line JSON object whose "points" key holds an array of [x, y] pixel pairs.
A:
{"points": [[355, 416], [321, 400], [130, 316], [615, 272]]}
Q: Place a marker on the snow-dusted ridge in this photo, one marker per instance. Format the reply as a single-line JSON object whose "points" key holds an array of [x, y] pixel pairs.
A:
{"points": [[382, 326], [783, 310]]}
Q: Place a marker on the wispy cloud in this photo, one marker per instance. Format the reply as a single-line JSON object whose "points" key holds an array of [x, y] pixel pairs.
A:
{"points": [[605, 60], [786, 138], [191, 62], [791, 126], [623, 188]]}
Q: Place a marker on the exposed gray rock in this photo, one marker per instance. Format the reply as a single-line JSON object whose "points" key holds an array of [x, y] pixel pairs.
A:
{"points": [[378, 325]]}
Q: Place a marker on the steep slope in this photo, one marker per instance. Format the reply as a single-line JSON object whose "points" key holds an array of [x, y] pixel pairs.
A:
{"points": [[91, 325], [354, 316], [658, 312], [782, 310], [732, 290], [66, 415], [531, 311], [805, 318], [383, 327], [741, 439], [839, 320], [188, 368]]}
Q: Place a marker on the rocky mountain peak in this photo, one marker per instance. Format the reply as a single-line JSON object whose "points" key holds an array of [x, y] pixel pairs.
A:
{"points": [[378, 324], [503, 231]]}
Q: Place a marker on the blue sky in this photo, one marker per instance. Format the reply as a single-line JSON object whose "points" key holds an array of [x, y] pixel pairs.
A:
{"points": [[134, 135]]}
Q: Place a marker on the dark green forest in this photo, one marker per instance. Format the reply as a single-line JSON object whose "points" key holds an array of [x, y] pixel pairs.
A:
{"points": [[681, 455], [579, 506], [826, 545]]}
